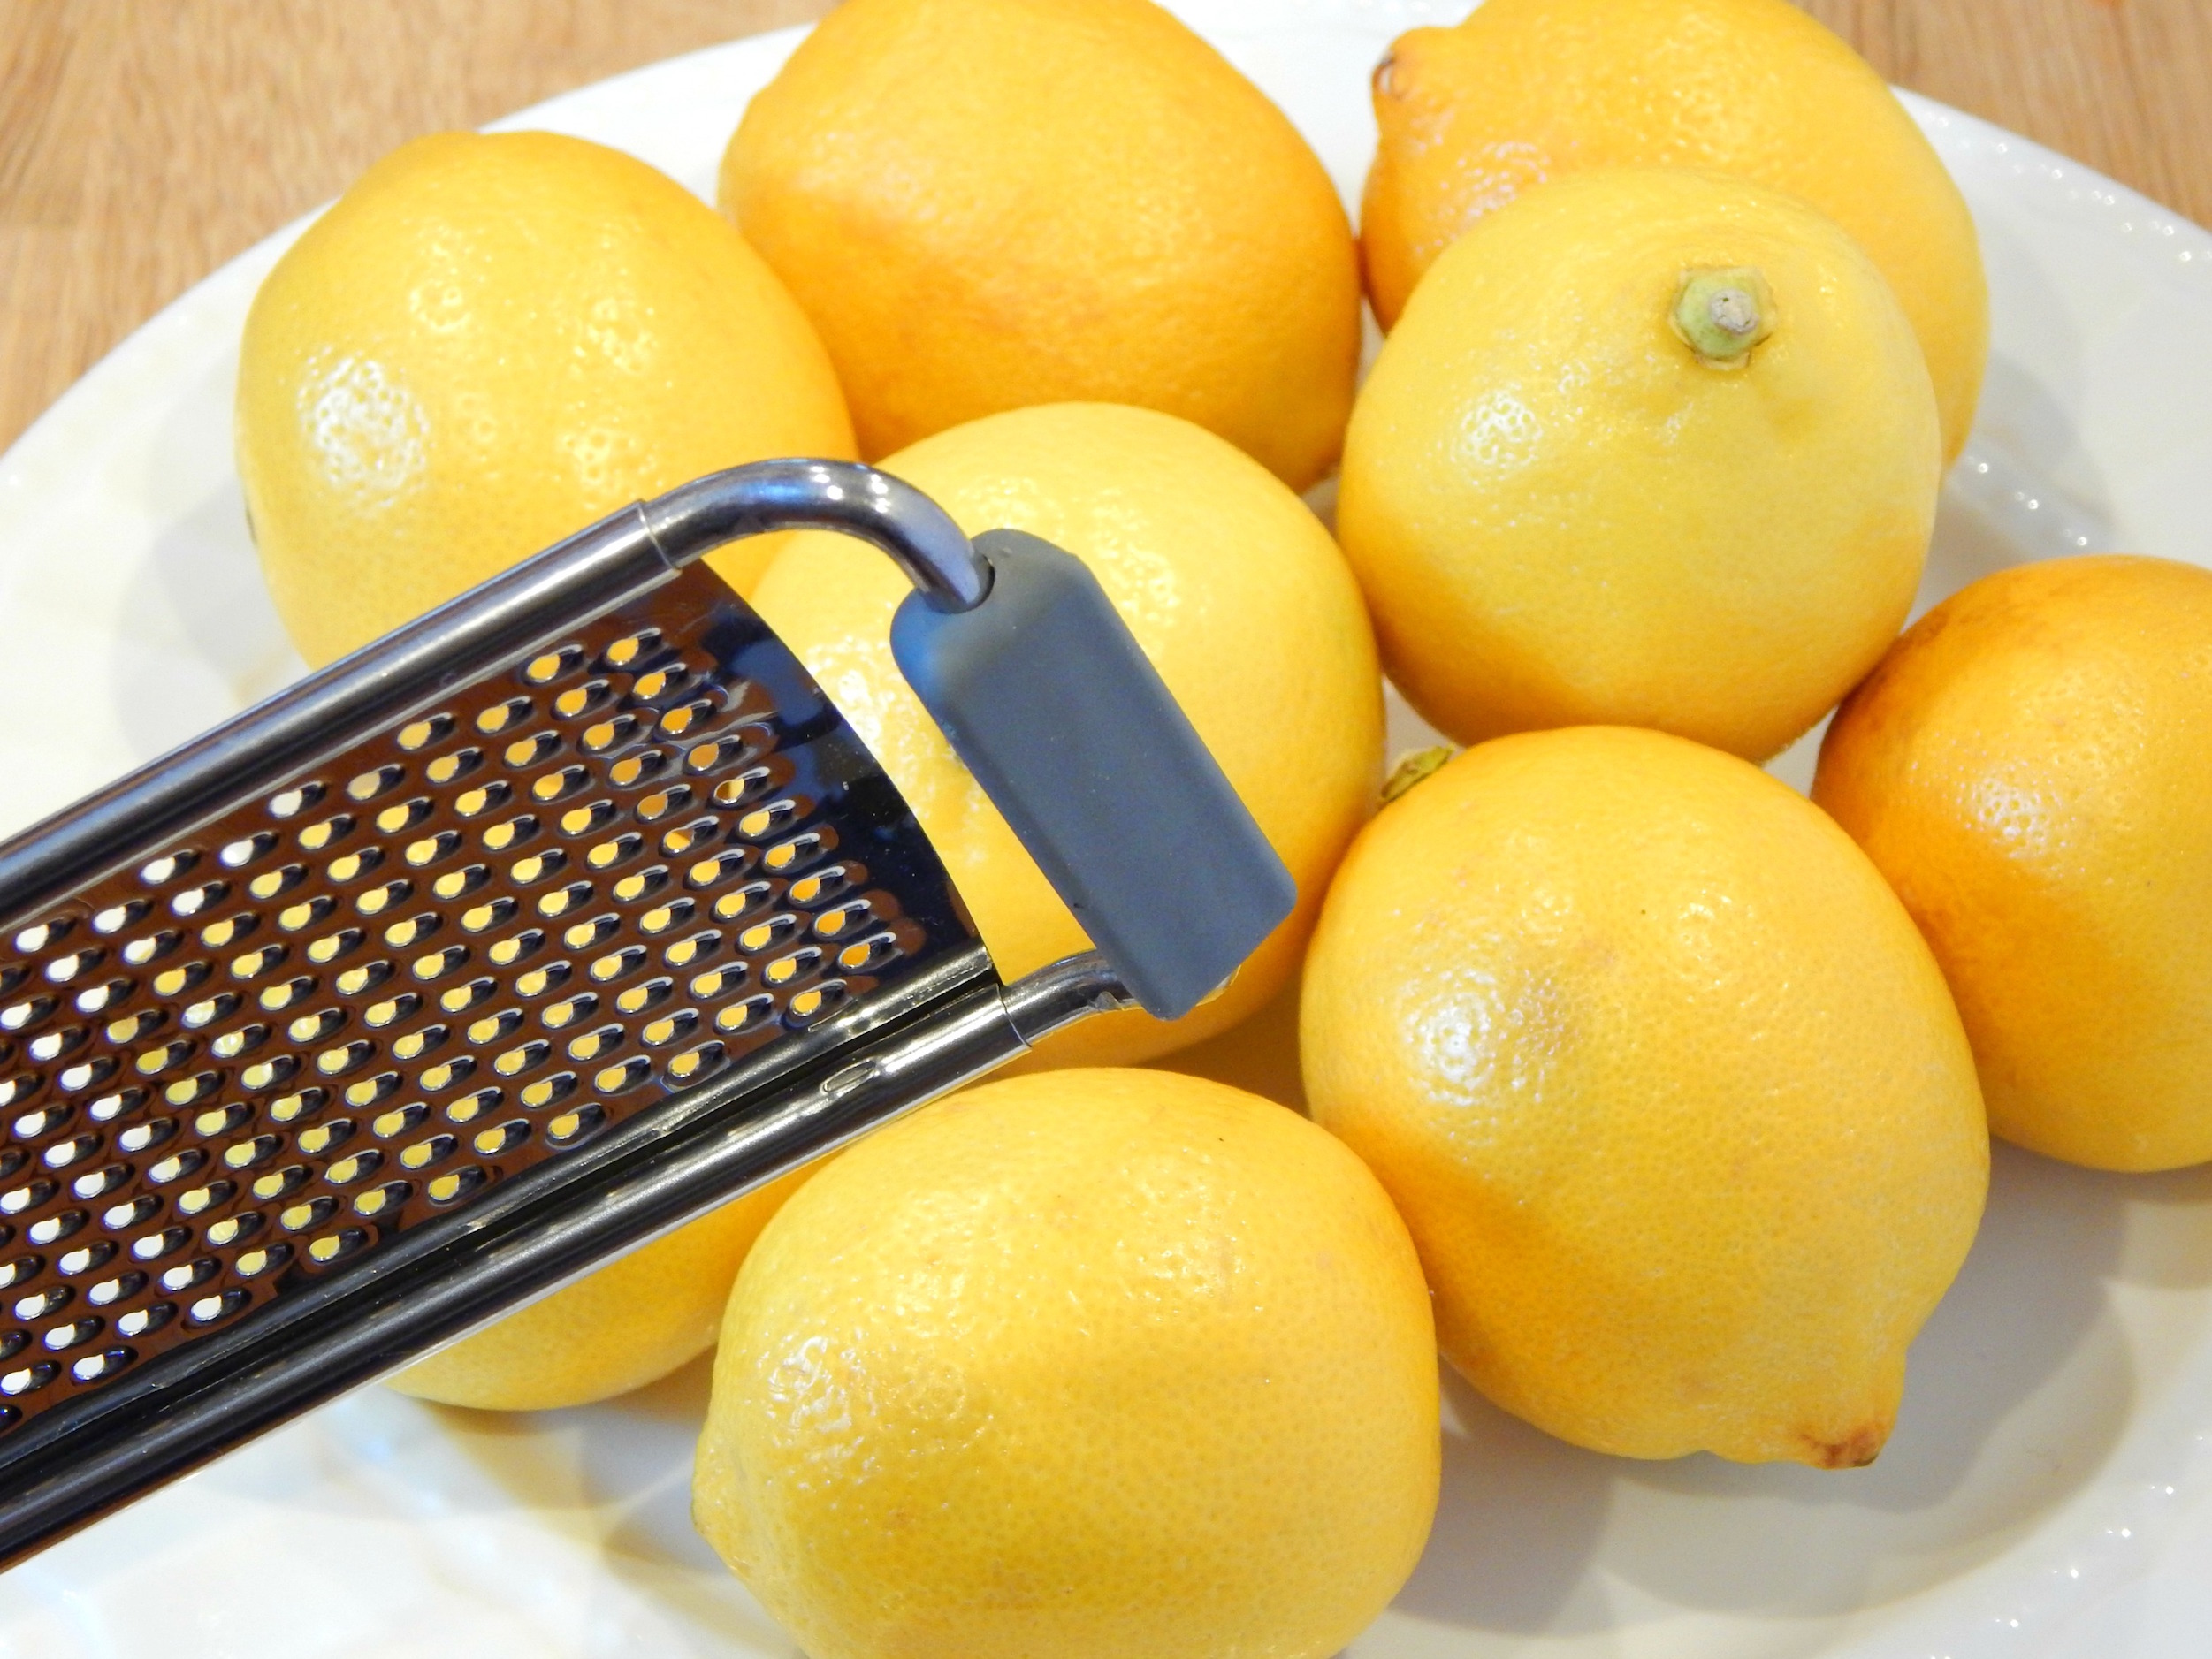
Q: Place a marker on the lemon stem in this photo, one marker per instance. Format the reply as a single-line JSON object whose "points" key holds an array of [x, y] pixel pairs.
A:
{"points": [[1723, 314], [1414, 767]]}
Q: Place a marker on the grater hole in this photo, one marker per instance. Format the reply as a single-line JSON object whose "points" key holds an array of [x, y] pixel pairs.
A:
{"points": [[659, 682], [422, 733], [484, 798], [559, 786], [610, 734], [659, 804], [717, 983], [53, 1229], [816, 1002], [155, 872], [798, 852], [675, 913], [394, 820], [622, 1077], [454, 1185], [116, 917], [369, 1091], [153, 1246], [502, 1138], [94, 998], [87, 1073], [144, 1320], [152, 949], [506, 952], [587, 819], [503, 716], [362, 977], [251, 1264], [366, 785], [399, 1120], [292, 802], [697, 1063], [632, 649], [450, 768], [336, 1246], [279, 1183], [61, 970], [438, 963], [352, 866], [385, 1199], [670, 1028], [743, 901], [541, 1092], [199, 1200], [210, 1310], [406, 935], [579, 701], [749, 1016], [474, 1105], [482, 919], [689, 952], [86, 1259], [788, 971], [554, 664], [538, 981], [121, 1288], [251, 964], [275, 999], [29, 1379], [296, 918], [634, 769], [615, 963], [19, 1271], [316, 837], [216, 1120], [264, 1075], [637, 998], [431, 1150], [460, 998], [391, 1009], [409, 1046], [567, 1011], [430, 850], [22, 1016], [332, 947], [528, 751], [575, 1124], [269, 883], [458, 884]]}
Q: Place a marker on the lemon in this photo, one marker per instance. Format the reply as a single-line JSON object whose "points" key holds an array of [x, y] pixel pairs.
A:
{"points": [[1665, 1085], [1527, 90], [490, 342], [1648, 448], [1091, 1365], [1232, 589], [985, 204], [630, 1323], [2031, 768]]}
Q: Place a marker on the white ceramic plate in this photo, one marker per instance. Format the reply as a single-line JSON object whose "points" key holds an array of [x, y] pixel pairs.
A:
{"points": [[2049, 1487]]}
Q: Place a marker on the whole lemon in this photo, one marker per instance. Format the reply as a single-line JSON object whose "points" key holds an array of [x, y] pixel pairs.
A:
{"points": [[1648, 448], [2031, 768], [1091, 1365], [985, 204], [489, 342], [1665, 1085], [1232, 589], [630, 1323], [1527, 90]]}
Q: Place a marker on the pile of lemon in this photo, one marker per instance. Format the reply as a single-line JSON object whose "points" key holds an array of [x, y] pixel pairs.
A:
{"points": [[1654, 1094]]}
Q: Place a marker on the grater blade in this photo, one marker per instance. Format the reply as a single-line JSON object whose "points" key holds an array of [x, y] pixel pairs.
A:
{"points": [[549, 921]]}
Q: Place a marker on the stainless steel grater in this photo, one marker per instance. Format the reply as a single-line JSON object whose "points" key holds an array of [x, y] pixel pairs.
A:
{"points": [[544, 925]]}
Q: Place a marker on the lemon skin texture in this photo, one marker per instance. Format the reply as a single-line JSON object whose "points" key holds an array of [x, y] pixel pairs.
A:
{"points": [[630, 1323], [1666, 1087], [1090, 1364], [1233, 591], [488, 343], [985, 204], [1528, 90], [1562, 514], [2031, 766]]}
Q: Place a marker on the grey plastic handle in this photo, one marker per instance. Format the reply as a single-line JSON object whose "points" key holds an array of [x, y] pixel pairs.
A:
{"points": [[1061, 718]]}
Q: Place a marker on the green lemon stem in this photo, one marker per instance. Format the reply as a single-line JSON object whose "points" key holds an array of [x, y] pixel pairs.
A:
{"points": [[1414, 767], [1723, 314]]}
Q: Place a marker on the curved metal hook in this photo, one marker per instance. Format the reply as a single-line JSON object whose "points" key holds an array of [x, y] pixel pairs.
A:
{"points": [[831, 495]]}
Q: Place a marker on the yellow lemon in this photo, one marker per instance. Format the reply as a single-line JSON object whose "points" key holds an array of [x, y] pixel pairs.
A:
{"points": [[1648, 448], [1527, 90], [1232, 589], [1665, 1085], [630, 1323], [985, 204], [1090, 1365], [490, 342], [2031, 768]]}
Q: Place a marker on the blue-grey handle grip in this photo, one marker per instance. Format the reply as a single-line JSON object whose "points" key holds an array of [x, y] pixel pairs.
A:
{"points": [[1061, 718]]}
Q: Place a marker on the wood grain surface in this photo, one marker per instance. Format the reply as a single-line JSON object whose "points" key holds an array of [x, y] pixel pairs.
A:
{"points": [[143, 142]]}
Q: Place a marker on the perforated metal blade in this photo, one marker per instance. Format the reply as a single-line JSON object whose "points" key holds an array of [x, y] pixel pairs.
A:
{"points": [[536, 929]]}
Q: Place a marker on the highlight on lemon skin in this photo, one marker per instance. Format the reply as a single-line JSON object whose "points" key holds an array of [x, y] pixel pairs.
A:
{"points": [[487, 343]]}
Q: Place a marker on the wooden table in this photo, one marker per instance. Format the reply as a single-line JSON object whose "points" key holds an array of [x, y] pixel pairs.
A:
{"points": [[143, 142]]}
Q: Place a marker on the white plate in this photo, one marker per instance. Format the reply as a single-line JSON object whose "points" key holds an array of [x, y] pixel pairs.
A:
{"points": [[2049, 1487]]}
